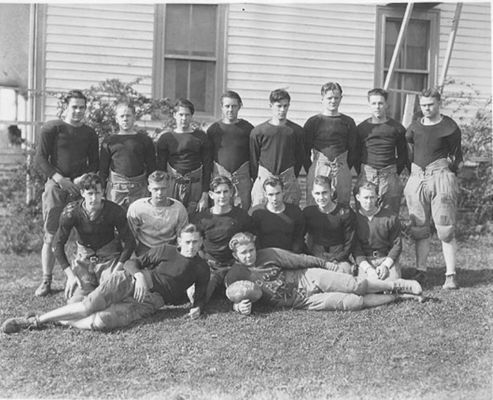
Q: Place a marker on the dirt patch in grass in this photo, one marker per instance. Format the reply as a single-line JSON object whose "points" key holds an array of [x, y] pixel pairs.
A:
{"points": [[437, 350]]}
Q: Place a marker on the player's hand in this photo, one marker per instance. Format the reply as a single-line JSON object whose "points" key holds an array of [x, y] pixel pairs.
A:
{"points": [[372, 274], [140, 287], [194, 313], [72, 282], [67, 185], [203, 202], [382, 271], [244, 307]]}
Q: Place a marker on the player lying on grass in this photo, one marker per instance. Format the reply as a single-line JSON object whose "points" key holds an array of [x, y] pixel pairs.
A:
{"points": [[286, 279], [159, 277]]}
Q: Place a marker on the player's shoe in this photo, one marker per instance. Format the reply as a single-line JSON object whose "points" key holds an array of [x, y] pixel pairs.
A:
{"points": [[450, 282], [407, 286], [44, 289], [416, 297], [14, 325]]}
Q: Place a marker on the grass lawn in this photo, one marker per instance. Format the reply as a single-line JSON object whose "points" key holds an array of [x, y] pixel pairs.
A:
{"points": [[440, 349]]}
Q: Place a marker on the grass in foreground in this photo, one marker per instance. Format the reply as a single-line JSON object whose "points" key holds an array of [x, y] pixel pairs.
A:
{"points": [[437, 350]]}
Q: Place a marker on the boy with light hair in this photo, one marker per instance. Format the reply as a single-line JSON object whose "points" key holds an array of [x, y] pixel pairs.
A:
{"points": [[330, 145], [156, 220], [299, 281], [126, 159]]}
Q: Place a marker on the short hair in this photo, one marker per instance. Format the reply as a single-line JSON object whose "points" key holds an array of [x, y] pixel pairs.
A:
{"points": [[230, 94], [190, 228], [378, 92], [126, 104], [75, 94], [181, 102], [273, 181], [278, 95], [89, 181], [330, 87], [322, 181], [221, 180], [158, 176], [431, 92], [241, 238], [366, 185]]}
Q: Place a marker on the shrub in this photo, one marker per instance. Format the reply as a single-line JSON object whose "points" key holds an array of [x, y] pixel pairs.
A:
{"points": [[475, 178]]}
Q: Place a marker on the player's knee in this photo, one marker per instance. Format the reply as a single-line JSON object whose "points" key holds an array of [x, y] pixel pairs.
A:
{"points": [[445, 233], [93, 303], [419, 232], [99, 323], [352, 302], [48, 238], [361, 287]]}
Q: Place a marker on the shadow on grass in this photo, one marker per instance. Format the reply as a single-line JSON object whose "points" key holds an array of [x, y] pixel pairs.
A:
{"points": [[466, 277]]}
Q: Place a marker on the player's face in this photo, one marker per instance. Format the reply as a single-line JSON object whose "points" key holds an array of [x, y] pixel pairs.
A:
{"points": [[125, 118], [183, 118], [189, 244], [93, 198], [321, 194], [430, 107], [280, 109], [221, 195], [331, 100], [367, 199], [274, 195], [76, 109], [378, 106], [158, 193], [230, 108], [246, 254]]}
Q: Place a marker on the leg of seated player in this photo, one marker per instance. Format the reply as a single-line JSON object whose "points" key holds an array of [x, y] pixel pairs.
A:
{"points": [[346, 301]]}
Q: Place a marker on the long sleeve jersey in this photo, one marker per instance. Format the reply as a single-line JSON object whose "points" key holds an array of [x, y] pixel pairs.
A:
{"points": [[276, 148], [431, 142], [382, 233], [283, 230], [332, 229], [128, 155], [230, 143], [172, 274], [332, 136], [219, 229], [69, 150], [186, 152], [276, 272], [381, 145], [96, 233]]}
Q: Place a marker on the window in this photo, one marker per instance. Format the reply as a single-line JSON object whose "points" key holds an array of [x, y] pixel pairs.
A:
{"points": [[417, 62], [190, 51]]}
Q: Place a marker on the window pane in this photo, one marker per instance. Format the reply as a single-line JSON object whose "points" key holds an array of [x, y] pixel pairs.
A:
{"points": [[177, 25], [202, 85], [417, 43], [203, 30], [176, 79], [392, 27]]}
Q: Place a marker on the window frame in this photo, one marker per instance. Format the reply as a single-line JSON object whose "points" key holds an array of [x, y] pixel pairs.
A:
{"points": [[397, 12], [159, 65]]}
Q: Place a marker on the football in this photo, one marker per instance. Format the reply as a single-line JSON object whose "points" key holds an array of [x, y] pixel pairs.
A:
{"points": [[243, 290]]}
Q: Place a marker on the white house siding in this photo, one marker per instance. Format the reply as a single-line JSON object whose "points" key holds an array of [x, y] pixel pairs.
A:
{"points": [[471, 57], [299, 47], [88, 43]]}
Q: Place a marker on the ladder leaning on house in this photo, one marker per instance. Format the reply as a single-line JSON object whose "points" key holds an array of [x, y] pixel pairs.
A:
{"points": [[410, 102]]}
